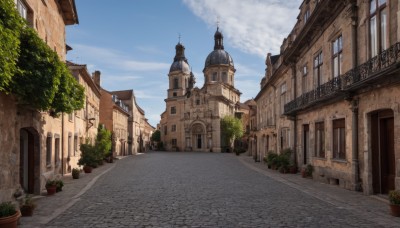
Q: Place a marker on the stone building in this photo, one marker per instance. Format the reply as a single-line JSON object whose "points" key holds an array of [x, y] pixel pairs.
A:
{"points": [[342, 110], [34, 143], [137, 123], [273, 128], [86, 120], [191, 121], [114, 114]]}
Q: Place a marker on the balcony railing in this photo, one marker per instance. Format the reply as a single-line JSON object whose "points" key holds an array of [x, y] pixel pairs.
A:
{"points": [[349, 81], [322, 92], [373, 67]]}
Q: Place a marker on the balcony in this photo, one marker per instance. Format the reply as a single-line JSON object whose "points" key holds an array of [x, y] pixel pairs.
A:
{"points": [[380, 67], [382, 64]]}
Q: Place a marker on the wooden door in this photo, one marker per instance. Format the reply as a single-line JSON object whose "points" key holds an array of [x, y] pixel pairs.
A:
{"points": [[388, 169], [306, 138], [383, 157]]}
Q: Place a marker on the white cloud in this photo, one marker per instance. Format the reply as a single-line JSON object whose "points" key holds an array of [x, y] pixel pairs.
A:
{"points": [[115, 59], [253, 26]]}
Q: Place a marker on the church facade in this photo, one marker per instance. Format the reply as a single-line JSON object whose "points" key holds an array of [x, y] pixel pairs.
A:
{"points": [[191, 121]]}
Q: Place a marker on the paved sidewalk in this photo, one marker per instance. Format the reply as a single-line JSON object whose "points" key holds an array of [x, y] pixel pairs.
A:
{"points": [[49, 207], [369, 206]]}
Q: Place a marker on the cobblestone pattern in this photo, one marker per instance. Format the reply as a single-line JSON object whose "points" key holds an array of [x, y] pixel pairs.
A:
{"points": [[200, 190]]}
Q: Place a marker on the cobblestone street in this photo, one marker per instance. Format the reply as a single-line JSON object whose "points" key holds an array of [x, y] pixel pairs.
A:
{"points": [[164, 189]]}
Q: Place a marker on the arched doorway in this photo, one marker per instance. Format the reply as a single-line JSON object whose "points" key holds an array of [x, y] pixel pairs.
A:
{"points": [[382, 148], [198, 137], [29, 160]]}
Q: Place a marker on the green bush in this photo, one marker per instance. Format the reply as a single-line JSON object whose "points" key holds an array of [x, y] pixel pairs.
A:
{"points": [[394, 197], [88, 155], [7, 209], [11, 24], [103, 144]]}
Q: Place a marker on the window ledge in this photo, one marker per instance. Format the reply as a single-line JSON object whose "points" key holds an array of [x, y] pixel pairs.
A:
{"points": [[319, 158], [338, 160], [48, 166]]}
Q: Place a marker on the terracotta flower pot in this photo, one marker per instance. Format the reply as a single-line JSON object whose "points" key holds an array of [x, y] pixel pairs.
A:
{"points": [[87, 169], [10, 221], [395, 210], [51, 190]]}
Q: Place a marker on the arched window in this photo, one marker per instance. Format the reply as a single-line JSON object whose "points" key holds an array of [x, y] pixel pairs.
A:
{"points": [[176, 83]]}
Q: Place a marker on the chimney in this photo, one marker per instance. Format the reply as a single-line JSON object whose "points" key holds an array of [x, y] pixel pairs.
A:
{"points": [[96, 78]]}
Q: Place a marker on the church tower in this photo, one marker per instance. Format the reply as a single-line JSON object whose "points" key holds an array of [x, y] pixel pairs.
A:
{"points": [[191, 121], [179, 73]]}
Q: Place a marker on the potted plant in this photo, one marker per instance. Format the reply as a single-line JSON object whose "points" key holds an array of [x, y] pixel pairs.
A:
{"points": [[9, 215], [51, 187], [75, 173], [59, 185], [394, 199], [307, 171], [27, 206], [88, 157]]}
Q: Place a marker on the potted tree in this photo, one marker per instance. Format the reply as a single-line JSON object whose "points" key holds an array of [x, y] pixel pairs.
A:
{"points": [[9, 215], [27, 206], [51, 187], [75, 173], [59, 185], [394, 199], [88, 157]]}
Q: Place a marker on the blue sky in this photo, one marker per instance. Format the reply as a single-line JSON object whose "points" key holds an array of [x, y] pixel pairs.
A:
{"points": [[132, 42]]}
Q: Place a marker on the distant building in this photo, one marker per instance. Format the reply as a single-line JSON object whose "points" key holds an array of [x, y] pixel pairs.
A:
{"points": [[84, 121], [114, 114], [191, 121]]}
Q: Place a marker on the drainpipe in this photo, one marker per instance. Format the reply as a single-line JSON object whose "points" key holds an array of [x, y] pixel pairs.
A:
{"points": [[62, 144], [354, 105], [295, 117]]}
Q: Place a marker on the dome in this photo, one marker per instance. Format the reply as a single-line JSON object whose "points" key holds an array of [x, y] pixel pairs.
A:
{"points": [[180, 62], [180, 65], [219, 55]]}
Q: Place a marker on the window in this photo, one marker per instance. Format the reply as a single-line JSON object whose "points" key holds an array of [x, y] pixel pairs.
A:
{"points": [[306, 16], [174, 142], [48, 150], [378, 26], [21, 7], [70, 117], [173, 128], [224, 77], [174, 94], [285, 138], [176, 83], [283, 97], [337, 47], [69, 145], [304, 79], [339, 139], [320, 139], [318, 69], [214, 77], [57, 151], [75, 145], [165, 130], [197, 101], [173, 110]]}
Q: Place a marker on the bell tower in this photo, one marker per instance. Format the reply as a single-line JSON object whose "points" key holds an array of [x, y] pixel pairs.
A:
{"points": [[179, 73]]}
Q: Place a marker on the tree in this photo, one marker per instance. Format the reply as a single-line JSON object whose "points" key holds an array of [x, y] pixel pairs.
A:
{"points": [[103, 142], [156, 136], [231, 128]]}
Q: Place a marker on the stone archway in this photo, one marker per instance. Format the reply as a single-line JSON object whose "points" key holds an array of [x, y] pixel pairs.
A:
{"points": [[199, 139], [30, 160]]}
